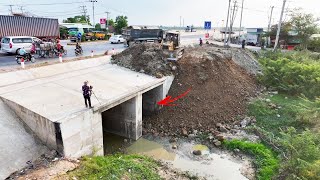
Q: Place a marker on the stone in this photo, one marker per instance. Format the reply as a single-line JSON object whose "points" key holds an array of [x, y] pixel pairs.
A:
{"points": [[197, 152], [141, 71], [237, 150], [125, 140], [218, 143], [220, 137], [272, 106], [246, 121], [191, 136], [278, 115], [268, 100], [210, 137], [184, 132], [195, 132], [159, 75], [218, 125], [174, 68], [223, 129], [172, 140], [174, 146], [51, 155]]}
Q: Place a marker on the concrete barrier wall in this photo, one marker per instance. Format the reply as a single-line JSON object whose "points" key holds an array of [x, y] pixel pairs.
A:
{"points": [[82, 134], [42, 127]]}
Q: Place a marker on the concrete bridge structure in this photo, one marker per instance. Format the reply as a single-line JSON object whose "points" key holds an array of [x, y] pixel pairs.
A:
{"points": [[49, 101]]}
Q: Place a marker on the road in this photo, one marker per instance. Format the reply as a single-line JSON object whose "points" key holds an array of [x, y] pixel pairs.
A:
{"points": [[102, 46], [97, 47]]}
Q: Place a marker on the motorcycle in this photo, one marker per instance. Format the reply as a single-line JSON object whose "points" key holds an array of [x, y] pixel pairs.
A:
{"points": [[78, 51], [27, 57]]}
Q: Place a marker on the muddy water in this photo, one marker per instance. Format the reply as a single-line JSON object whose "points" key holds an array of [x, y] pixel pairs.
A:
{"points": [[212, 164]]}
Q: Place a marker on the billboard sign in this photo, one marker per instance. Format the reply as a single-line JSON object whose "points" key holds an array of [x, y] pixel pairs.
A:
{"points": [[103, 22]]}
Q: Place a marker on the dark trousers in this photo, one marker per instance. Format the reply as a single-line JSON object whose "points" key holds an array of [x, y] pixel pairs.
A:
{"points": [[87, 98]]}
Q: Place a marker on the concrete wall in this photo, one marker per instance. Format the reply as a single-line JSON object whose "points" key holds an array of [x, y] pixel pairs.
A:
{"points": [[42, 127], [150, 99], [125, 119], [82, 134]]}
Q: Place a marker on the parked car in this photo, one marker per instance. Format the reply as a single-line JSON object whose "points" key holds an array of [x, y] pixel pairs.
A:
{"points": [[117, 39], [12, 44]]}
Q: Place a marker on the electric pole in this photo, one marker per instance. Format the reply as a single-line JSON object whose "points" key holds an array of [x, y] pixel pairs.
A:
{"points": [[21, 9], [84, 11], [233, 16], [107, 24], [93, 1], [180, 21], [225, 31], [269, 24], [11, 9], [279, 26], [241, 21]]}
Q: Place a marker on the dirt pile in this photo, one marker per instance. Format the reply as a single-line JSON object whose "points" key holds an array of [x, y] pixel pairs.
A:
{"points": [[219, 92], [146, 58]]}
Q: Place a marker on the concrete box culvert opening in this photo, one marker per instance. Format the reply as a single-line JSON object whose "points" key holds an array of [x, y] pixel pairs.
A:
{"points": [[126, 119]]}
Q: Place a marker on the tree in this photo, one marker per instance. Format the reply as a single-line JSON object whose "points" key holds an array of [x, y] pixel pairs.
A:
{"points": [[111, 22], [98, 27], [77, 19], [121, 22], [304, 24]]}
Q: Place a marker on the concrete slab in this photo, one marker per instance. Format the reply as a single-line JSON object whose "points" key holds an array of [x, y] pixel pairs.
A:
{"points": [[57, 97]]}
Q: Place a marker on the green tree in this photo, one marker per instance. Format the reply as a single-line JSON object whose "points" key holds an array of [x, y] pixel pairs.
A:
{"points": [[97, 27], [111, 22], [121, 22], [304, 24], [77, 19]]}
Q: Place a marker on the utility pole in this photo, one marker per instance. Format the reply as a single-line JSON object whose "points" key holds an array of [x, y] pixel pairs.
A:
{"points": [[225, 31], [241, 21], [107, 24], [84, 11], [11, 9], [269, 24], [21, 9], [180, 21], [93, 1], [279, 26], [232, 20], [183, 22]]}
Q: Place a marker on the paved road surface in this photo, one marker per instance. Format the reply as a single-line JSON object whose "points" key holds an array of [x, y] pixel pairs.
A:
{"points": [[101, 47], [98, 47]]}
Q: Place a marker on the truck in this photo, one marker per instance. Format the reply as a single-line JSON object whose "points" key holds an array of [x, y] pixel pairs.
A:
{"points": [[75, 28], [134, 34], [42, 28]]}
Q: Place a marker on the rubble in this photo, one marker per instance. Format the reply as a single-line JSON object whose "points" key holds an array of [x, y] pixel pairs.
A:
{"points": [[220, 90], [146, 58]]}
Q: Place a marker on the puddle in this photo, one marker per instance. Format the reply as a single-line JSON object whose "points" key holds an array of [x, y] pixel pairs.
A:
{"points": [[212, 164]]}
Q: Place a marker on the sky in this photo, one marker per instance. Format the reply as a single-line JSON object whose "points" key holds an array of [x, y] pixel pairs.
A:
{"points": [[164, 12]]}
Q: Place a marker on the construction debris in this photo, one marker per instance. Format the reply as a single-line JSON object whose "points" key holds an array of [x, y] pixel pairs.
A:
{"points": [[220, 89], [146, 58]]}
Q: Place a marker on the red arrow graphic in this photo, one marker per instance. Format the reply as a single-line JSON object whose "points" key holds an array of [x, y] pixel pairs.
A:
{"points": [[168, 100]]}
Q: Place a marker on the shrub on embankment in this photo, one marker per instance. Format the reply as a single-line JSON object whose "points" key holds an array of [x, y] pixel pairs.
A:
{"points": [[291, 73]]}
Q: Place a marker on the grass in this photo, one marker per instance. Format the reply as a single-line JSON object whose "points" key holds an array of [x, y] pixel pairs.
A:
{"points": [[267, 117], [266, 161], [116, 167]]}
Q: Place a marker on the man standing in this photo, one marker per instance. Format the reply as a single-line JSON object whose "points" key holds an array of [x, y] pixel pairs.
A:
{"points": [[243, 43], [87, 93]]}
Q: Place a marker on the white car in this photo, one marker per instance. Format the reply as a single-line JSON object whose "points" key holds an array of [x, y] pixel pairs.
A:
{"points": [[116, 39], [12, 44]]}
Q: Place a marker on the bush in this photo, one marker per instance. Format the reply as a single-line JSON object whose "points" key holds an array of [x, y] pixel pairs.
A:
{"points": [[265, 160], [314, 45], [293, 77], [301, 154]]}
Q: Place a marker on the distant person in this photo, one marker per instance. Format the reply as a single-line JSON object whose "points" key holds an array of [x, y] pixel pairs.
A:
{"points": [[201, 42], [22, 52], [86, 90], [243, 43]]}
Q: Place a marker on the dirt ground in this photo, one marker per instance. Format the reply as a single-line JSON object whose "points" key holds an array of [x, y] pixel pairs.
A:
{"points": [[220, 90]]}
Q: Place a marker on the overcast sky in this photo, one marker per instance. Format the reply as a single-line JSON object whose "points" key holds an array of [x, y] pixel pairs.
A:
{"points": [[163, 12]]}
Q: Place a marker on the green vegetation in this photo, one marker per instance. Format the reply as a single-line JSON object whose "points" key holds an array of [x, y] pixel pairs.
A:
{"points": [[287, 122], [121, 22], [292, 76], [265, 160], [117, 167]]}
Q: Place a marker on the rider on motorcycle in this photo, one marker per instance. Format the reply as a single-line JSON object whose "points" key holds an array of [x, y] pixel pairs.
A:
{"points": [[78, 48], [22, 52]]}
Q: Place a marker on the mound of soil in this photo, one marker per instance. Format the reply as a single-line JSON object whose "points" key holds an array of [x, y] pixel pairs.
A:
{"points": [[220, 89], [146, 58]]}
